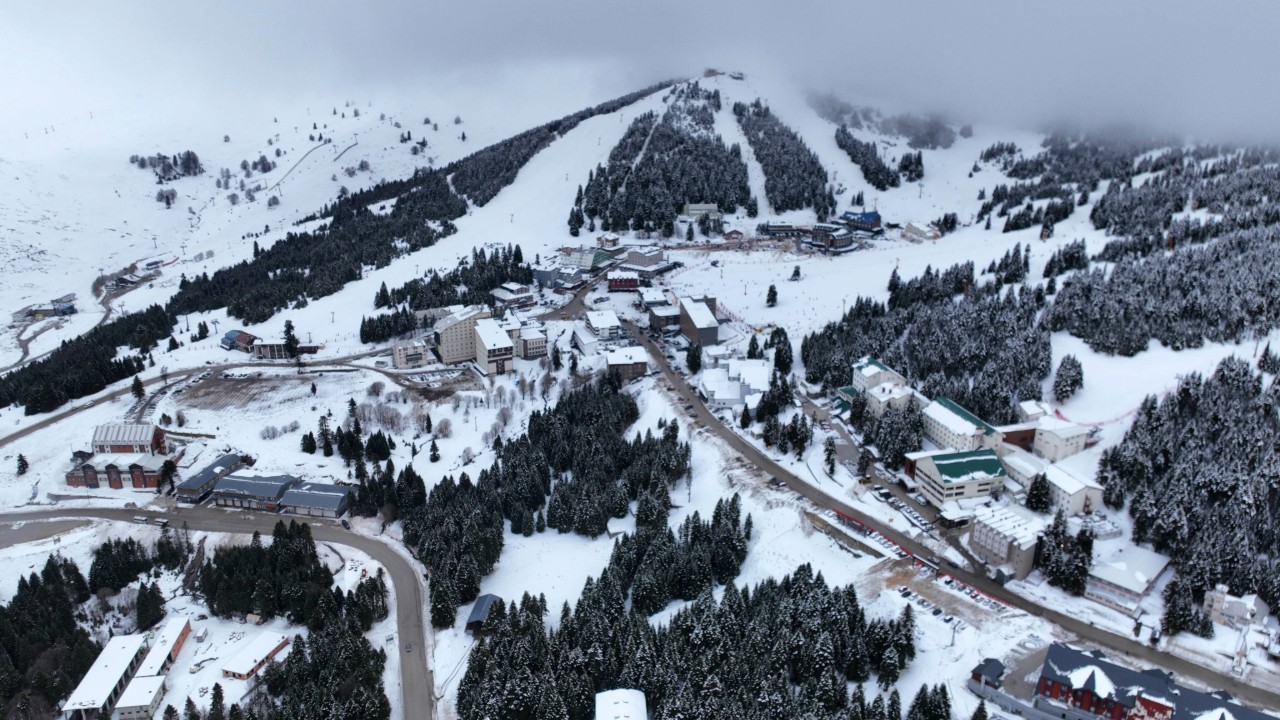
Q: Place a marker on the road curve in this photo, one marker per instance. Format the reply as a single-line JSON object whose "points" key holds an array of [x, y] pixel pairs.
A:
{"points": [[1128, 646], [416, 681]]}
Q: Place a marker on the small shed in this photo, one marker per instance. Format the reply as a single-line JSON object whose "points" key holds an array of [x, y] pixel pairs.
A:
{"points": [[480, 613]]}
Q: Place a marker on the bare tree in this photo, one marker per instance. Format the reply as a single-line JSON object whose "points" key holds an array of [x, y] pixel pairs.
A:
{"points": [[444, 428], [468, 455], [376, 388]]}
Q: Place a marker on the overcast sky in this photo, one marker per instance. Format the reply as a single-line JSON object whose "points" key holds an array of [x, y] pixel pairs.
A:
{"points": [[1198, 68]]}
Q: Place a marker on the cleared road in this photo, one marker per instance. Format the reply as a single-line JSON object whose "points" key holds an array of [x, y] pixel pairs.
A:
{"points": [[416, 681], [1248, 693]]}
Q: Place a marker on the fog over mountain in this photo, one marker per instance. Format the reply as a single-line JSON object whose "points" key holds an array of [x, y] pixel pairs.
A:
{"points": [[1179, 66]]}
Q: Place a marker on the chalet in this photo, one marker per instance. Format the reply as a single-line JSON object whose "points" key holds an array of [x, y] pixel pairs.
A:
{"points": [[734, 236], [254, 655], [867, 222], [198, 486], [128, 438], [238, 340], [608, 241], [1072, 494], [698, 320], [316, 500], [623, 281], [253, 493], [1083, 684], [629, 362], [480, 613], [1121, 579], [513, 294], [986, 677], [140, 471], [1056, 438], [1227, 609]]}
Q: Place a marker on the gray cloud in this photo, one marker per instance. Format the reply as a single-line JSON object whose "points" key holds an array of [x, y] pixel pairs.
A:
{"points": [[1173, 65]]}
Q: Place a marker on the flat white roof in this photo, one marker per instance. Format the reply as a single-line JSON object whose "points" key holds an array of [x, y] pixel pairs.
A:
{"points": [[623, 275], [664, 310], [1067, 482], [1130, 567], [253, 652], [699, 313], [599, 319], [96, 687], [627, 355], [621, 704], [1014, 523], [652, 295], [141, 691], [491, 334], [753, 373], [162, 641], [1062, 428]]}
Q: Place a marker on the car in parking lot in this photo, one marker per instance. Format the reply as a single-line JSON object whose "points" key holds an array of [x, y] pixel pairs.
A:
{"points": [[937, 612], [948, 618]]}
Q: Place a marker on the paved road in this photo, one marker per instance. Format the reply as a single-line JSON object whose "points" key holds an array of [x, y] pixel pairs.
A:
{"points": [[978, 581], [416, 681]]}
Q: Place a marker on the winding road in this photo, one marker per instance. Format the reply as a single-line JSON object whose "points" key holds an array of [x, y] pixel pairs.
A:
{"points": [[417, 684], [977, 580]]}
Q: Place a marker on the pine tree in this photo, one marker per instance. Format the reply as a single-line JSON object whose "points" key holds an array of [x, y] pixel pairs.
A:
{"points": [[753, 349], [745, 421], [556, 362], [829, 454], [217, 704], [1069, 378], [693, 358], [1038, 494], [1269, 362], [771, 297], [23, 465], [170, 713], [434, 455], [795, 274], [291, 340], [309, 443], [137, 389], [981, 712]]}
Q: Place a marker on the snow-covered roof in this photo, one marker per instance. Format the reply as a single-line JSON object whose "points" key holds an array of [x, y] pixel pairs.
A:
{"points": [[461, 314], [1014, 523], [491, 334], [123, 434], [621, 704], [113, 662], [162, 642], [754, 373], [1067, 482], [125, 460], [532, 333], [255, 651], [1021, 462], [1032, 409], [272, 486], [664, 310], [869, 366], [630, 355], [956, 419], [316, 495], [600, 319], [653, 296], [1062, 428], [622, 275], [699, 313], [221, 466], [141, 691], [1130, 567]]}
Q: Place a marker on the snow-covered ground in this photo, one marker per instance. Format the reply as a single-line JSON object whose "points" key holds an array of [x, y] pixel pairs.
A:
{"points": [[198, 665]]}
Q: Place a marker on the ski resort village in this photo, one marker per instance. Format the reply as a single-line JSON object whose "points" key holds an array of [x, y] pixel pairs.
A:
{"points": [[714, 396]]}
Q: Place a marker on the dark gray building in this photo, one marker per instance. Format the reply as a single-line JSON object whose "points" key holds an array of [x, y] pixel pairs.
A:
{"points": [[254, 493], [198, 486], [317, 500]]}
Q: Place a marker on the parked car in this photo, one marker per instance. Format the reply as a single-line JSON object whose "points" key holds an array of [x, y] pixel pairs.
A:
{"points": [[408, 647], [346, 524]]}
